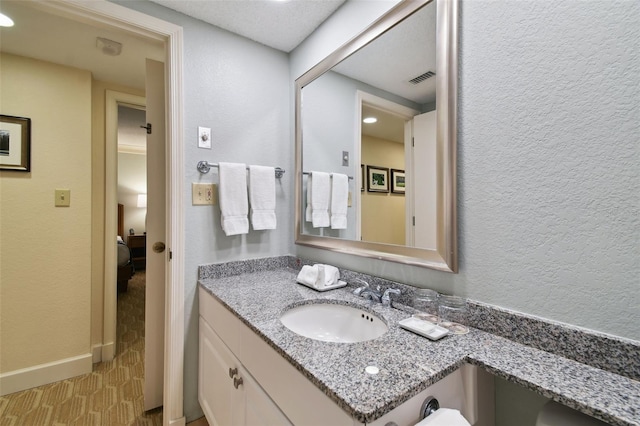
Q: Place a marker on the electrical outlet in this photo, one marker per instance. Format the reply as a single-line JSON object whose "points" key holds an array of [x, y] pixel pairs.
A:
{"points": [[63, 197], [203, 194]]}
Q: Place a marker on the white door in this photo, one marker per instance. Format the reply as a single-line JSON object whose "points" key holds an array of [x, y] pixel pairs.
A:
{"points": [[424, 179], [157, 257]]}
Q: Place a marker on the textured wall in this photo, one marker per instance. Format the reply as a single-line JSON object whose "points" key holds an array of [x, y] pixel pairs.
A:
{"points": [[240, 89], [45, 263], [548, 163]]}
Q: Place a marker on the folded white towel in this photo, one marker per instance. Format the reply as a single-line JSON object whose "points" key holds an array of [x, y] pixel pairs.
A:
{"points": [[262, 197], [330, 275], [233, 198], [339, 200], [320, 194], [308, 216], [308, 275]]}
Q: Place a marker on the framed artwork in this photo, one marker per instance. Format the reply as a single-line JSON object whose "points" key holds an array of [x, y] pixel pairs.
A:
{"points": [[362, 179], [397, 181], [15, 143], [377, 179]]}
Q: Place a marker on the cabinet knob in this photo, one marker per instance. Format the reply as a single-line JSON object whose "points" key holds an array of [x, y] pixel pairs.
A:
{"points": [[237, 381], [232, 372]]}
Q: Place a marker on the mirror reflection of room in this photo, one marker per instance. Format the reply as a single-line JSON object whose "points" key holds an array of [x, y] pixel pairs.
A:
{"points": [[392, 79]]}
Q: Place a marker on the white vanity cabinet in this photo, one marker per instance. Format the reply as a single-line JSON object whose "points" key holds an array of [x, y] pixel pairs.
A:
{"points": [[227, 392]]}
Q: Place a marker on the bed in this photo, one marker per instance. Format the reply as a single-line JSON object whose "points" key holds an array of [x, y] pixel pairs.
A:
{"points": [[125, 264]]}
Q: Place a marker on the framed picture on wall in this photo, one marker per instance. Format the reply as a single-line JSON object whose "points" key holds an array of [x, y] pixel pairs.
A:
{"points": [[397, 181], [362, 179], [15, 143], [377, 179]]}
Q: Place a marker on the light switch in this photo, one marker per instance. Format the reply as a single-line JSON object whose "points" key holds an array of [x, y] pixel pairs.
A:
{"points": [[204, 137], [63, 198], [203, 194], [349, 200]]}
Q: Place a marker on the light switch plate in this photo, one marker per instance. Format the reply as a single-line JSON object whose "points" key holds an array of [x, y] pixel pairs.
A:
{"points": [[204, 137], [203, 194], [63, 197], [349, 200]]}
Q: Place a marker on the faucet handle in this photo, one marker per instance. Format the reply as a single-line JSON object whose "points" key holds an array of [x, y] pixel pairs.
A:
{"points": [[386, 297], [358, 290]]}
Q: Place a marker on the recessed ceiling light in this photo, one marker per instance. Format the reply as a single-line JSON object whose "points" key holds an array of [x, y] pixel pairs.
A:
{"points": [[5, 21], [370, 120]]}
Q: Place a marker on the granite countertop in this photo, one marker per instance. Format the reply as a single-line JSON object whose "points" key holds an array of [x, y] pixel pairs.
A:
{"points": [[409, 363]]}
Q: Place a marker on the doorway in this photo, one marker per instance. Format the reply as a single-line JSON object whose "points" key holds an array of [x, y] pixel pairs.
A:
{"points": [[123, 20]]}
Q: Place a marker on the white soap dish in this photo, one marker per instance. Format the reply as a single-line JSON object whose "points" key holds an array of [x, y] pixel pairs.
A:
{"points": [[424, 328], [339, 284]]}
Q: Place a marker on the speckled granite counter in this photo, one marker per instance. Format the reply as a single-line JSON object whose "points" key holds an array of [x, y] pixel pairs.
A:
{"points": [[409, 363]]}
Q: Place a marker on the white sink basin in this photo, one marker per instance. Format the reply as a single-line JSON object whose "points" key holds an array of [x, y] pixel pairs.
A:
{"points": [[331, 322]]}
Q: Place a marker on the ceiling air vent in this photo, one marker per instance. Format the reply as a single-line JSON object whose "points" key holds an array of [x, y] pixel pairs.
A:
{"points": [[422, 77]]}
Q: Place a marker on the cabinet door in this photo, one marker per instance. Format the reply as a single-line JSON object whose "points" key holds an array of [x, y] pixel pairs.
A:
{"points": [[259, 409], [216, 393]]}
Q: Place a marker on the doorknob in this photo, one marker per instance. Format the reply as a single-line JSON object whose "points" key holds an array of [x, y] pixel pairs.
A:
{"points": [[158, 247]]}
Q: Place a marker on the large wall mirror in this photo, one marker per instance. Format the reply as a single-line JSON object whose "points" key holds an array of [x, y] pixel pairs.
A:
{"points": [[401, 72]]}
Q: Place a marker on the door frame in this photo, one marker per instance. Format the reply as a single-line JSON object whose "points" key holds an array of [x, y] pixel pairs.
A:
{"points": [[102, 13], [404, 112]]}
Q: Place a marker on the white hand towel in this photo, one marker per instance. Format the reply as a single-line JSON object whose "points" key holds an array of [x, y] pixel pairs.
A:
{"points": [[308, 275], [331, 275], [262, 197], [339, 201], [233, 198], [444, 417], [320, 194], [308, 216]]}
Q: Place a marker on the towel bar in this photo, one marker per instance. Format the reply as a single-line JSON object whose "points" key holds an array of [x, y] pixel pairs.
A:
{"points": [[205, 166], [308, 173]]}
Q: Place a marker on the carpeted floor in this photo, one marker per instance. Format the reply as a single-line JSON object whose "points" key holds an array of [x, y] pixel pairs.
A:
{"points": [[109, 396]]}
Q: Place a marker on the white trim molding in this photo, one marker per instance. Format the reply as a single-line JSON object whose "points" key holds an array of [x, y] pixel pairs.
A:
{"points": [[104, 13], [42, 374]]}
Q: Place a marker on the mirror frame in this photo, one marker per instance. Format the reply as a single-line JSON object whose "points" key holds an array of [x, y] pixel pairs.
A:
{"points": [[445, 256]]}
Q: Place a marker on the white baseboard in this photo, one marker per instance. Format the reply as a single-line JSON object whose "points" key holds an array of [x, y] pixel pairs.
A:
{"points": [[96, 351], [26, 378], [108, 352], [182, 421]]}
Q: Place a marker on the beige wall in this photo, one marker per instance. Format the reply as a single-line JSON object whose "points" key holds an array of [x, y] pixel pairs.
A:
{"points": [[45, 251], [98, 91], [383, 216]]}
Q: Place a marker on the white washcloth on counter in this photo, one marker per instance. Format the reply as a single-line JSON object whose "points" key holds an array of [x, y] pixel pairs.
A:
{"points": [[329, 276], [320, 194], [339, 200], [308, 275], [234, 204], [318, 276], [262, 197]]}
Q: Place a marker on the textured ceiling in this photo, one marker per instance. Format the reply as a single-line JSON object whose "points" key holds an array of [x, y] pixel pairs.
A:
{"points": [[278, 24]]}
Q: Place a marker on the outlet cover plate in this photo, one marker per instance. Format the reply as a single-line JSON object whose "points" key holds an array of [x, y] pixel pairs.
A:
{"points": [[203, 194]]}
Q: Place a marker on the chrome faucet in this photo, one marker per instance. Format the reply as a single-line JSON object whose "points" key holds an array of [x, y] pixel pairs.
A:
{"points": [[386, 297], [358, 291], [371, 294]]}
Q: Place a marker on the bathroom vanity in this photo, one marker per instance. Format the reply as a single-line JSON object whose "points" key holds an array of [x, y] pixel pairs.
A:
{"points": [[253, 370], [244, 380]]}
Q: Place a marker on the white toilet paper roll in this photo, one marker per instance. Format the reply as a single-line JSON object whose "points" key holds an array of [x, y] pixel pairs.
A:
{"points": [[444, 417]]}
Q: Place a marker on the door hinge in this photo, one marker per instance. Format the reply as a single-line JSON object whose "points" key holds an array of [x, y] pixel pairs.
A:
{"points": [[170, 255], [414, 221], [148, 127], [413, 141]]}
